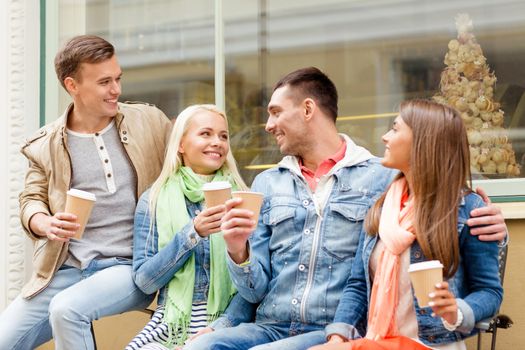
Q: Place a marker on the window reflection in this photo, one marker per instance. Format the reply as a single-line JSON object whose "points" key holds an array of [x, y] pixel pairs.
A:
{"points": [[378, 52]]}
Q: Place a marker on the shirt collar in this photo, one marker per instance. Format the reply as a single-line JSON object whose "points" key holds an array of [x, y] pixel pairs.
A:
{"points": [[334, 158]]}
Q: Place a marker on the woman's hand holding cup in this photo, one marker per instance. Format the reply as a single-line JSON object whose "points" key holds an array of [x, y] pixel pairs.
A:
{"points": [[209, 220], [443, 303]]}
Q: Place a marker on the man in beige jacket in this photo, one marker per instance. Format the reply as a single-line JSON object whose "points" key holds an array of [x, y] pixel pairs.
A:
{"points": [[113, 150]]}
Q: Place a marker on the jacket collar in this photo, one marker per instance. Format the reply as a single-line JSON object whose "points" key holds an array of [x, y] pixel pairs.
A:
{"points": [[354, 155], [62, 120]]}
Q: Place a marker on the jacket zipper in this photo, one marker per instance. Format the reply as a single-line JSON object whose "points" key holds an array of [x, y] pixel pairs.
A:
{"points": [[313, 254], [309, 281]]}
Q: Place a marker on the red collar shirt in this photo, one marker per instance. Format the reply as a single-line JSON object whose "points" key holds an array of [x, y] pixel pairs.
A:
{"points": [[311, 177]]}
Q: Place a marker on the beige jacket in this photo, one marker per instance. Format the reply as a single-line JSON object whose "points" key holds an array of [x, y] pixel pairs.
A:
{"points": [[144, 132]]}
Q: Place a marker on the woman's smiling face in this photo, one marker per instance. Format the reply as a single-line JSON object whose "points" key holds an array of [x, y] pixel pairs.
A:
{"points": [[204, 145]]}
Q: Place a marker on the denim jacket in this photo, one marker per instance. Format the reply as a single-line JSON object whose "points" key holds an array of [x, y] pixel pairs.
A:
{"points": [[302, 250], [476, 285], [153, 268]]}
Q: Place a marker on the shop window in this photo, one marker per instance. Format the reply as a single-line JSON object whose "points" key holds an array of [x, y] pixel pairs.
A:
{"points": [[378, 54]]}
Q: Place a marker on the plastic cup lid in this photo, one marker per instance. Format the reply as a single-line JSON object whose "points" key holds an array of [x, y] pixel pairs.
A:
{"points": [[82, 194], [425, 265], [216, 185]]}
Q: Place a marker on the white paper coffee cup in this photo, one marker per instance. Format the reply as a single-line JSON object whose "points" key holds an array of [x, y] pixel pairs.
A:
{"points": [[216, 193], [424, 276], [80, 203]]}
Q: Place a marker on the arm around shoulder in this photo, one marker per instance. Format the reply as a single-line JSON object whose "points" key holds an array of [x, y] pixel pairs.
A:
{"points": [[480, 261]]}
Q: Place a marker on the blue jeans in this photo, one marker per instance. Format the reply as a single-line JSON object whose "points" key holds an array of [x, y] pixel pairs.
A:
{"points": [[65, 309], [259, 337]]}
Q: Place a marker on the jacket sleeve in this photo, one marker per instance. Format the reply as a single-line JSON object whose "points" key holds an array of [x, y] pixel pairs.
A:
{"points": [[238, 311], [351, 313], [252, 278], [153, 268], [480, 261], [34, 197]]}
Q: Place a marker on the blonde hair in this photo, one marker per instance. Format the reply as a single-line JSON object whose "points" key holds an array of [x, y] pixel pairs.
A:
{"points": [[173, 160], [440, 171]]}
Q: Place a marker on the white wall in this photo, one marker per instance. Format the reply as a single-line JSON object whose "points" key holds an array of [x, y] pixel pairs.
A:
{"points": [[19, 115]]}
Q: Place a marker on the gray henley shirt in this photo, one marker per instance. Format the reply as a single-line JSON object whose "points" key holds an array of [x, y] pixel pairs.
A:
{"points": [[101, 166]]}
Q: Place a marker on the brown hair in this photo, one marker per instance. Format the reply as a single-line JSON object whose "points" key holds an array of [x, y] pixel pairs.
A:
{"points": [[311, 82], [440, 169], [78, 50]]}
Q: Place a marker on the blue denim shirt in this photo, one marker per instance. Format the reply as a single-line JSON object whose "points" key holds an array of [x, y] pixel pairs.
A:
{"points": [[302, 250], [476, 285], [153, 268]]}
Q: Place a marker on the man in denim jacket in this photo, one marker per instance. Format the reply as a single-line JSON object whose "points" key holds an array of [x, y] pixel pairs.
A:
{"points": [[299, 258]]}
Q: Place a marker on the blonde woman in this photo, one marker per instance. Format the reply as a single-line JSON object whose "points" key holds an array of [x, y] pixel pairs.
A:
{"points": [[422, 216], [177, 248]]}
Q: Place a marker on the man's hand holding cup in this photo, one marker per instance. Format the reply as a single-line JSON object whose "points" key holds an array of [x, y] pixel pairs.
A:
{"points": [[59, 227], [68, 224], [239, 223]]}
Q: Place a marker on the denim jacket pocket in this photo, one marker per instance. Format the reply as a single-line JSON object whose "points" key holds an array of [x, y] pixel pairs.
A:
{"points": [[345, 223], [282, 218]]}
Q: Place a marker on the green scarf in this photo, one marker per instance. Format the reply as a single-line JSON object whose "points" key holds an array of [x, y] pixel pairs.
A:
{"points": [[171, 217]]}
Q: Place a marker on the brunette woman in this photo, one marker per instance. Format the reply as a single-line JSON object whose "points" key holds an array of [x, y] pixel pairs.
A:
{"points": [[421, 217]]}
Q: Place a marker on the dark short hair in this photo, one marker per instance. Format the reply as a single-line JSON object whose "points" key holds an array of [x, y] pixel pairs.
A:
{"points": [[78, 50], [311, 82]]}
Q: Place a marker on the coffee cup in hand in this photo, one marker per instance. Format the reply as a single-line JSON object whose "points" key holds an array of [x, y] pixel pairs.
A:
{"points": [[216, 193], [251, 201], [424, 276], [80, 203]]}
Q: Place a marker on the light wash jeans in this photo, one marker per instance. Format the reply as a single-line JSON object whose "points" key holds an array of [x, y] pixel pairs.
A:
{"points": [[65, 309], [259, 337]]}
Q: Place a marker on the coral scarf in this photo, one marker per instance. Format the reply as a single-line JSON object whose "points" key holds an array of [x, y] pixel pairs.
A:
{"points": [[396, 232]]}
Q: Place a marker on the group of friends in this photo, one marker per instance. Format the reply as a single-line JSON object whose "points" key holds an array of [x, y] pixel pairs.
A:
{"points": [[325, 266]]}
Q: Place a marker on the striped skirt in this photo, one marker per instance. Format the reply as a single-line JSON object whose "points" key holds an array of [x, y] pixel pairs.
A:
{"points": [[155, 333]]}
